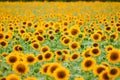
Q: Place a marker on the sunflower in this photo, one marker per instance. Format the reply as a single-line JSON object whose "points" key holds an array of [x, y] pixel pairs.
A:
{"points": [[86, 53], [64, 29], [66, 41], [118, 29], [66, 51], [88, 64], [12, 58], [13, 77], [95, 51], [114, 72], [20, 67], [79, 79], [39, 57], [61, 74], [50, 32], [58, 53], [98, 69], [41, 31], [44, 68], [30, 78], [45, 49], [21, 31], [29, 24], [53, 67], [114, 56], [4, 54], [114, 36], [35, 45], [74, 31], [96, 37], [74, 45], [7, 36], [40, 38], [30, 59], [17, 48], [3, 78], [11, 28], [95, 44], [104, 75], [51, 37], [4, 43], [74, 56], [109, 48], [48, 56], [108, 29]]}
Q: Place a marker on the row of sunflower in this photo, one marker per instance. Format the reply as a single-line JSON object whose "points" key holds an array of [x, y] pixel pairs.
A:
{"points": [[59, 41]]}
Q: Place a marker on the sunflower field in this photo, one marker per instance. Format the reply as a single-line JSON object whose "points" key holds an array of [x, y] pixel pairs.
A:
{"points": [[60, 40]]}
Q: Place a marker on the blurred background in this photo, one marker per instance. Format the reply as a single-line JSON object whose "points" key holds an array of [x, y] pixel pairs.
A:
{"points": [[65, 0]]}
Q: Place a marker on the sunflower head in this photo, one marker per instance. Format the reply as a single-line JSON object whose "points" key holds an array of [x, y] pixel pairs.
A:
{"points": [[20, 67], [88, 64], [61, 74], [114, 56], [13, 77]]}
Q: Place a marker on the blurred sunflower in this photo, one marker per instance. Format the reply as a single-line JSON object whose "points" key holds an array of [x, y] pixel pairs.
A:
{"points": [[74, 56], [21, 67], [95, 51], [13, 77], [114, 56], [74, 45], [30, 59], [48, 56], [88, 64], [53, 67], [61, 74], [96, 37]]}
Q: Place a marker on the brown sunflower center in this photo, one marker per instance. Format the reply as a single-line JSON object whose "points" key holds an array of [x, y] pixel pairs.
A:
{"points": [[45, 68], [21, 68], [113, 71], [87, 54], [3, 43], [40, 57], [53, 68], [74, 31], [30, 59], [3, 78], [22, 31], [95, 36], [108, 28], [6, 37], [95, 44], [74, 45], [100, 69], [114, 56], [29, 24], [105, 76], [48, 55], [39, 38], [95, 51], [13, 59], [59, 52], [51, 37], [61, 74], [75, 56], [66, 41], [44, 49], [35, 45], [113, 36], [88, 63]]}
